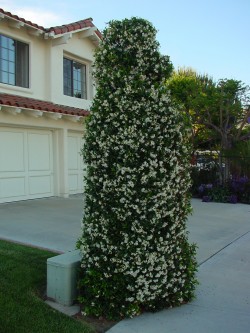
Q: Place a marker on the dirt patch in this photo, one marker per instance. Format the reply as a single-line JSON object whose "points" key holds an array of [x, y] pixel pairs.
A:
{"points": [[101, 325]]}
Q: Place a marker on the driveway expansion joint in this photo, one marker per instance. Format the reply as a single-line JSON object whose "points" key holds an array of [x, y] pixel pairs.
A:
{"points": [[223, 248]]}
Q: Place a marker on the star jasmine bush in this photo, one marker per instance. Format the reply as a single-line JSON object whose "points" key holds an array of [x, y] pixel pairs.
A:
{"points": [[135, 251]]}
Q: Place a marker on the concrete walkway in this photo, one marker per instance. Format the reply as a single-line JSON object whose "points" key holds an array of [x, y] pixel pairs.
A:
{"points": [[221, 231]]}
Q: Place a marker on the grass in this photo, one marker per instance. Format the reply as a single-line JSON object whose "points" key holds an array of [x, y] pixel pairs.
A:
{"points": [[22, 288]]}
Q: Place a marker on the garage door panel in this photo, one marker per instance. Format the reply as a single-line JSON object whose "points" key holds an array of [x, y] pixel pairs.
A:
{"points": [[73, 183], [26, 168], [40, 185], [12, 142], [12, 187], [39, 152], [75, 163], [73, 152]]}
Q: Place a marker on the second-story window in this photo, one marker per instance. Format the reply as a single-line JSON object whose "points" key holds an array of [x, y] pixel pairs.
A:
{"points": [[14, 62], [74, 79]]}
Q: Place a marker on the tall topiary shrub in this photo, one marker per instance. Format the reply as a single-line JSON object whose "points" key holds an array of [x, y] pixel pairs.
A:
{"points": [[135, 252]]}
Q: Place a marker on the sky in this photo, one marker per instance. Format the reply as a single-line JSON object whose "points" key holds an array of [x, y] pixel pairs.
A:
{"points": [[211, 36]]}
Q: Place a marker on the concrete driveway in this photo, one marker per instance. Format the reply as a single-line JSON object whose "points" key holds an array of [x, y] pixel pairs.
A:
{"points": [[53, 223], [221, 231]]}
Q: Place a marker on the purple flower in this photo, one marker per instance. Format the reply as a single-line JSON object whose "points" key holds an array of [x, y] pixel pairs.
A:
{"points": [[206, 198], [233, 199], [201, 188], [243, 180], [209, 186], [238, 183]]}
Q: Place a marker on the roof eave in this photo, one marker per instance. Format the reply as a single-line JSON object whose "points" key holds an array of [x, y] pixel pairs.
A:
{"points": [[16, 22]]}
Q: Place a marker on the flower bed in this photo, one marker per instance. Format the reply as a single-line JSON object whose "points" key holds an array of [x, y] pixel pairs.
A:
{"points": [[236, 189]]}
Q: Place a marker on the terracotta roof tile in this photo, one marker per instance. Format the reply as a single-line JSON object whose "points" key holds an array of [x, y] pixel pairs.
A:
{"points": [[72, 27], [57, 29], [31, 103], [34, 25]]}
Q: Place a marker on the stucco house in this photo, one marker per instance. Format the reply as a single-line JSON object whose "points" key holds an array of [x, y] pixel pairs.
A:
{"points": [[46, 90]]}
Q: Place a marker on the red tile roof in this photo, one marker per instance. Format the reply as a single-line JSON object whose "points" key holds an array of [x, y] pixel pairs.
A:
{"points": [[35, 104], [58, 29], [21, 19], [73, 27]]}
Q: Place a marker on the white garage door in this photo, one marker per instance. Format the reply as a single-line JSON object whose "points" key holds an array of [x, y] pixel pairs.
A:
{"points": [[75, 163], [26, 164]]}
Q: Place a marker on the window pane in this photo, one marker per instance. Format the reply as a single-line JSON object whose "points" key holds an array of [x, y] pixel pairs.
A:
{"points": [[67, 87], [11, 44], [12, 67], [4, 54], [4, 65], [4, 77], [79, 80], [12, 79], [77, 66], [4, 41], [12, 56], [67, 67], [67, 77], [22, 65], [77, 84], [84, 83]]}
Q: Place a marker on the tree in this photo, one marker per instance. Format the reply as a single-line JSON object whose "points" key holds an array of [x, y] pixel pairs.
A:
{"points": [[220, 111], [192, 93], [233, 100], [135, 251]]}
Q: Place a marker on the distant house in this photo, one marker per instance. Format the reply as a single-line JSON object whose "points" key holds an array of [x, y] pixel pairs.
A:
{"points": [[46, 89]]}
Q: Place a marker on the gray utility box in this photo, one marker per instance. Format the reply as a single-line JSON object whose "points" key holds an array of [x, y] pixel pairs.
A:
{"points": [[62, 272]]}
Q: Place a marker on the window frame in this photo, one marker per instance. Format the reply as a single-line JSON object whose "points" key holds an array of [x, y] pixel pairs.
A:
{"points": [[75, 86], [20, 62]]}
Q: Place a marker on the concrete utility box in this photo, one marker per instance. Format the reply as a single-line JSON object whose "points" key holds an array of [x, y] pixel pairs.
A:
{"points": [[62, 277]]}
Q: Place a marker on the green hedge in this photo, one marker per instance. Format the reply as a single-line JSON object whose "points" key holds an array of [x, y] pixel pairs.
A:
{"points": [[135, 251]]}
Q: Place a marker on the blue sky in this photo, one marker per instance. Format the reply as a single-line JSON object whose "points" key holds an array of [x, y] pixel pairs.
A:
{"points": [[211, 36]]}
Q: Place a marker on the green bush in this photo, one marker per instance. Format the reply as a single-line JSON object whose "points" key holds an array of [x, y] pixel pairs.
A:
{"points": [[246, 195], [199, 177], [134, 244], [219, 194], [241, 188]]}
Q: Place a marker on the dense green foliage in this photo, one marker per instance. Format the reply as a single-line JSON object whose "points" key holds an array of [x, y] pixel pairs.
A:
{"points": [[135, 251], [219, 111], [22, 287]]}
